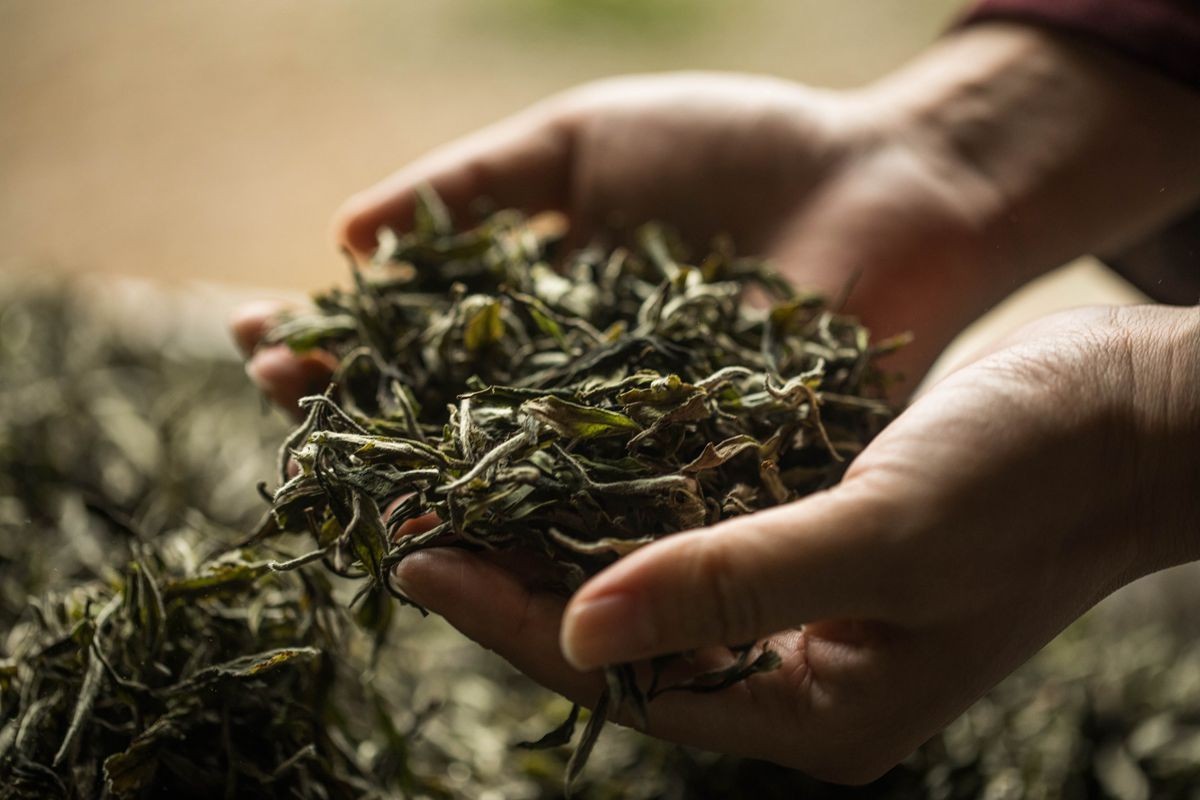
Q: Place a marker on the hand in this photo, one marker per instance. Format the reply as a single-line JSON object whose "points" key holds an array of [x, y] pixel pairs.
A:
{"points": [[1002, 504], [822, 182], [1000, 153], [1007, 500]]}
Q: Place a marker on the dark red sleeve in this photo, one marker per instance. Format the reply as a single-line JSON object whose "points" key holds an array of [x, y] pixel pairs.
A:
{"points": [[1164, 34]]}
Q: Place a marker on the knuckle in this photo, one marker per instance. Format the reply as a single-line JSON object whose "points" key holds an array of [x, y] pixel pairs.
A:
{"points": [[348, 220], [594, 93], [734, 608], [889, 531], [568, 107], [599, 96]]}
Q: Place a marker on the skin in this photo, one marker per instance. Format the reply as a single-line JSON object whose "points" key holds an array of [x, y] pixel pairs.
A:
{"points": [[1005, 501]]}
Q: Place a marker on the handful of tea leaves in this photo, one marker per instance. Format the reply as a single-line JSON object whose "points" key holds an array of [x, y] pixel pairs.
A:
{"points": [[576, 413]]}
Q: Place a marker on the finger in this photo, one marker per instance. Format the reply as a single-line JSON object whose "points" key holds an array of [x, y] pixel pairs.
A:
{"points": [[819, 558], [521, 162], [493, 604], [251, 321], [487, 604], [284, 376], [414, 526]]}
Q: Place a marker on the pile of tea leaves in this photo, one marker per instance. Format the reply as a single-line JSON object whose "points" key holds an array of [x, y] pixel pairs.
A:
{"points": [[112, 433], [138, 659], [575, 412], [131, 686], [124, 452]]}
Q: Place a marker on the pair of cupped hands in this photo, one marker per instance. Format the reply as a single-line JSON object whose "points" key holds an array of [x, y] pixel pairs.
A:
{"points": [[1002, 503]]}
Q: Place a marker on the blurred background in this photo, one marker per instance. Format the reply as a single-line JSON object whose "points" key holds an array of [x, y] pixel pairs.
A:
{"points": [[188, 140], [191, 141]]}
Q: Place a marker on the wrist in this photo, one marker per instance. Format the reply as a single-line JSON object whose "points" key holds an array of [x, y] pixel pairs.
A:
{"points": [[1115, 426], [1137, 380], [1056, 147], [1165, 362]]}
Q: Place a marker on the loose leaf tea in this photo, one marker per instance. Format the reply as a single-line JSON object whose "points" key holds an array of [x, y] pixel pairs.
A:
{"points": [[572, 413], [158, 684], [132, 662], [111, 438], [112, 433]]}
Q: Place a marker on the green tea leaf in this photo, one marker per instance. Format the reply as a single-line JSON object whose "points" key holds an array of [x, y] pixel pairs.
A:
{"points": [[577, 421]]}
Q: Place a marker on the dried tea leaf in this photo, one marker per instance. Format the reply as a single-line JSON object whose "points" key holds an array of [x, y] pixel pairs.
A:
{"points": [[558, 737], [742, 668], [577, 421], [715, 455], [591, 734]]}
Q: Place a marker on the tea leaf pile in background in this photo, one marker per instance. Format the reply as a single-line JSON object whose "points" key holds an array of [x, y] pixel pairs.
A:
{"points": [[572, 414], [1109, 709], [111, 433], [193, 681], [133, 664]]}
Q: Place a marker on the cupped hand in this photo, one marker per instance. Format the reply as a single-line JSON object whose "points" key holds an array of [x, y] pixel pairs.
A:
{"points": [[830, 185], [1004, 502]]}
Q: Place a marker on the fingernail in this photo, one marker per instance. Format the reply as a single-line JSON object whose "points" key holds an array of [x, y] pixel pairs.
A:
{"points": [[606, 630], [251, 321], [411, 575], [283, 377], [265, 366], [406, 576], [414, 526], [254, 373]]}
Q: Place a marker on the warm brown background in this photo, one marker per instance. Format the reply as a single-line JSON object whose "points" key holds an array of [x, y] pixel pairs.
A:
{"points": [[213, 139], [190, 141]]}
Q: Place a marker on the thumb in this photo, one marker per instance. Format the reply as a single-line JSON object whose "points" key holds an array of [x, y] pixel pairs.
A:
{"points": [[818, 558]]}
